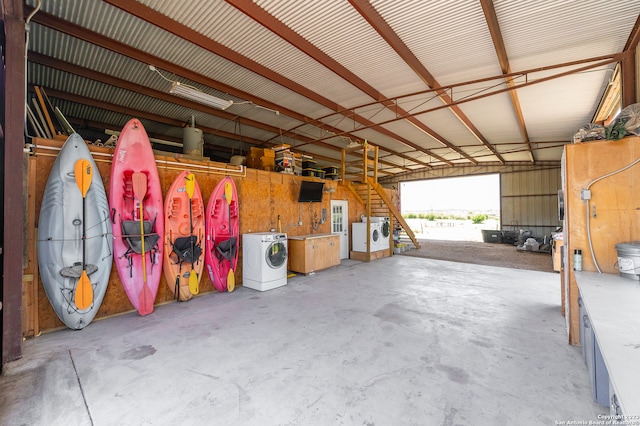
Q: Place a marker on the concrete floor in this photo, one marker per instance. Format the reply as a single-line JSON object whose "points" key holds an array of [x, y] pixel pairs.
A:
{"points": [[399, 341]]}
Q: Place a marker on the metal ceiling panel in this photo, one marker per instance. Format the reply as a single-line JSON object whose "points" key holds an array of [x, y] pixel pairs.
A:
{"points": [[238, 32], [451, 39], [539, 33], [74, 51], [148, 38], [447, 125], [549, 154], [555, 109], [495, 117], [340, 31]]}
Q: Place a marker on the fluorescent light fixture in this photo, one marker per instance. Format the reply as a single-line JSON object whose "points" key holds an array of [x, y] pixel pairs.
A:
{"points": [[196, 95]]}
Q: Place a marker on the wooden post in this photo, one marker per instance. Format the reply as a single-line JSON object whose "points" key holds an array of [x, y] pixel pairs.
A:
{"points": [[344, 166], [365, 165], [30, 325], [375, 164]]}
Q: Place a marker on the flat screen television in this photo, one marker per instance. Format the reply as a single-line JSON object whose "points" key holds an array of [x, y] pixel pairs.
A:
{"points": [[310, 192]]}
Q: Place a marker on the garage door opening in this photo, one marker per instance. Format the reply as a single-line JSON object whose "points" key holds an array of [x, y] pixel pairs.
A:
{"points": [[452, 209]]}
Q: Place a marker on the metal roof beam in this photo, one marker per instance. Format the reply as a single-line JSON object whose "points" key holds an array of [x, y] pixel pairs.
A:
{"points": [[158, 119], [377, 22], [628, 66], [258, 14], [161, 21], [498, 42], [73, 30], [603, 60]]}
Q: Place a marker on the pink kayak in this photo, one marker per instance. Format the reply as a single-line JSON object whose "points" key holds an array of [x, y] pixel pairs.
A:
{"points": [[222, 231], [135, 200]]}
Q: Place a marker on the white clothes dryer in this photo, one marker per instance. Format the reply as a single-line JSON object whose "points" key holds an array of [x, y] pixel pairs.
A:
{"points": [[359, 236], [264, 260]]}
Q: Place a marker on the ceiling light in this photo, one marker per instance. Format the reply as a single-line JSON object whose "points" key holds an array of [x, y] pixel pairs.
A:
{"points": [[196, 95]]}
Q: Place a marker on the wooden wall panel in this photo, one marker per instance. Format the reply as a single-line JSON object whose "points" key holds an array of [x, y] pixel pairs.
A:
{"points": [[616, 200], [263, 198]]}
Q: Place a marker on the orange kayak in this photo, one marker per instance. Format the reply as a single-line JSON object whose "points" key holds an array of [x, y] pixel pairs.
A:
{"points": [[184, 236]]}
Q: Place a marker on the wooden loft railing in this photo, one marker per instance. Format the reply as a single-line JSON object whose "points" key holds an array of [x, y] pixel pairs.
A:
{"points": [[368, 185]]}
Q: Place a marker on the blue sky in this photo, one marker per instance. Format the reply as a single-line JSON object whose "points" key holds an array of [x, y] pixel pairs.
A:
{"points": [[472, 193]]}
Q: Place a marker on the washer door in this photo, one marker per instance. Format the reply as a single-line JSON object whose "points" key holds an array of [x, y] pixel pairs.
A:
{"points": [[375, 235], [276, 254]]}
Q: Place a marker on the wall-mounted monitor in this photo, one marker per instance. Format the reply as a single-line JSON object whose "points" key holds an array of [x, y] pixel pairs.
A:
{"points": [[310, 192]]}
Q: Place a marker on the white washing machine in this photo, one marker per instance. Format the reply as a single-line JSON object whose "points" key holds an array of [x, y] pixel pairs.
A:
{"points": [[384, 224], [264, 260], [359, 236]]}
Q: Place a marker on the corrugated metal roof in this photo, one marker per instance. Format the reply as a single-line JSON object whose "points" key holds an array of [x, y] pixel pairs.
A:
{"points": [[551, 32], [339, 30], [450, 39]]}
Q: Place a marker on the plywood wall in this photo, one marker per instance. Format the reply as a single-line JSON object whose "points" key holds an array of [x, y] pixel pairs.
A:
{"points": [[267, 201], [614, 209]]}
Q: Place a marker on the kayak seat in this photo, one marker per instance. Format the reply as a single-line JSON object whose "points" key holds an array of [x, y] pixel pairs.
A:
{"points": [[187, 249], [75, 270], [226, 249], [131, 232]]}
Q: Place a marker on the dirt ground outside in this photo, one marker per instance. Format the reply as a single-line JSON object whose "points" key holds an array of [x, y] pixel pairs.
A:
{"points": [[461, 241]]}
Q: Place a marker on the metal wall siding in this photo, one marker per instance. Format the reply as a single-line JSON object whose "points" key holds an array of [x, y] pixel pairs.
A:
{"points": [[529, 198]]}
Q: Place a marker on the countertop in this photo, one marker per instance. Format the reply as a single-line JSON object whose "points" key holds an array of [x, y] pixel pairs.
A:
{"points": [[310, 236], [613, 306]]}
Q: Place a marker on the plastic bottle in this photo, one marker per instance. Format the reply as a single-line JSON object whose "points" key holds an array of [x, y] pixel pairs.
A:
{"points": [[577, 260]]}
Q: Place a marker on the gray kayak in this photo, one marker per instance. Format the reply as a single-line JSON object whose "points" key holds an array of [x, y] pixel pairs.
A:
{"points": [[60, 236]]}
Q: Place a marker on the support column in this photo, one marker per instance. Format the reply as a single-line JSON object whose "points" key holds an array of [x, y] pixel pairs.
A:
{"points": [[12, 170], [628, 68]]}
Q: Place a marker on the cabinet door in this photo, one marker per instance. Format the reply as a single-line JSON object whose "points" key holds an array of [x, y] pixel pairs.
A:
{"points": [[589, 347], [601, 378], [297, 255], [328, 252], [310, 256], [333, 251], [583, 338]]}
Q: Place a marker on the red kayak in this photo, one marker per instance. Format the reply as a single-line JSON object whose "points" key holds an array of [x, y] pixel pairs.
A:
{"points": [[223, 231], [184, 236], [135, 199]]}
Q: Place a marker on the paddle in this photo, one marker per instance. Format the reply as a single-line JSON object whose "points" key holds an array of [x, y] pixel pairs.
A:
{"points": [[145, 299], [83, 172], [231, 278], [190, 187]]}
